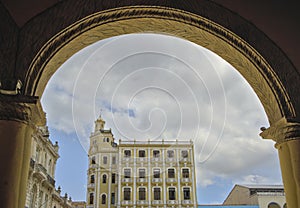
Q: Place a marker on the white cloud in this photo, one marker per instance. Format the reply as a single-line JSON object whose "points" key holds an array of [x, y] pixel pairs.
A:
{"points": [[173, 89]]}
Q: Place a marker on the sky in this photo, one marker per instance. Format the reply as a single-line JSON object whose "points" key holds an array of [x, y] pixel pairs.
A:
{"points": [[153, 86]]}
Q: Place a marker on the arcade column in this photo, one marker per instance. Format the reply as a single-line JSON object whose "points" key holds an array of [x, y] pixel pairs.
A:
{"points": [[286, 134], [16, 127]]}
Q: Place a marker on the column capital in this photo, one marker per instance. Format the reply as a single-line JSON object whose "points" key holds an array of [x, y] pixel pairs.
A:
{"points": [[282, 131], [21, 108]]}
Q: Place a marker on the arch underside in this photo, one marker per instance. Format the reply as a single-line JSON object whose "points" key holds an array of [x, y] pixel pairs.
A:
{"points": [[251, 65]]}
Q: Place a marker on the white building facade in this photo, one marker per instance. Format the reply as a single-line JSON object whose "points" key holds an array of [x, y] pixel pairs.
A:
{"points": [[139, 173]]}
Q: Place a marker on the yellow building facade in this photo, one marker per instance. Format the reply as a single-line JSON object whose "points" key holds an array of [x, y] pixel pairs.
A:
{"points": [[139, 173]]}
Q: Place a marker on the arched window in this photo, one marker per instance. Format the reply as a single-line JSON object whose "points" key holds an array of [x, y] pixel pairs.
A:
{"points": [[142, 194], [127, 194], [103, 199], [171, 173], [91, 201], [273, 205], [104, 177], [157, 193], [172, 193], [93, 160], [92, 179]]}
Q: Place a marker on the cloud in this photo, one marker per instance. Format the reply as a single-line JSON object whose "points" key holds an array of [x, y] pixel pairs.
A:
{"points": [[156, 86]]}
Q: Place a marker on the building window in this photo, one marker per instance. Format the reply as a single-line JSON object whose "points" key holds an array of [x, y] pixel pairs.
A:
{"points": [[184, 154], [171, 173], [172, 194], [104, 177], [157, 194], [142, 153], [156, 173], [92, 179], [104, 160], [185, 173], [93, 160], [186, 194], [113, 160], [113, 198], [156, 153], [142, 193], [113, 178], [127, 194], [127, 153], [170, 153], [103, 199], [91, 199], [142, 173], [273, 205], [127, 173]]}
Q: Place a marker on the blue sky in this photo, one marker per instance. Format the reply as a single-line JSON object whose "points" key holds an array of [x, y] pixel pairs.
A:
{"points": [[160, 87]]}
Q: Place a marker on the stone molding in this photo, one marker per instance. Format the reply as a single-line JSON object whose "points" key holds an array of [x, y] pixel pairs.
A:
{"points": [[282, 131], [157, 12]]}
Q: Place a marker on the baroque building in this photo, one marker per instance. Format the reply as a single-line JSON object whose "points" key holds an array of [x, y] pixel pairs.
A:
{"points": [[139, 173], [41, 191]]}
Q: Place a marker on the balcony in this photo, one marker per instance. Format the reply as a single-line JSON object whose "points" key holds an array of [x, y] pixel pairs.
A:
{"points": [[90, 206], [126, 202], [141, 202], [156, 159], [184, 160], [141, 159], [91, 186], [172, 202], [157, 180], [126, 180], [171, 159], [127, 159], [40, 172], [186, 180], [171, 180], [142, 180], [157, 202], [50, 180], [186, 202]]}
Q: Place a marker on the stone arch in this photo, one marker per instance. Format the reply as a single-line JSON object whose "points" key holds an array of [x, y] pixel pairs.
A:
{"points": [[245, 58], [42, 47]]}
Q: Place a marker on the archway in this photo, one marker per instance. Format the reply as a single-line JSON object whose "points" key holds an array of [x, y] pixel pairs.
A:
{"points": [[264, 73]]}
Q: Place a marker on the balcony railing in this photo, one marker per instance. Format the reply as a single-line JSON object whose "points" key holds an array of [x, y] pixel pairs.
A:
{"points": [[171, 159], [185, 159], [126, 202], [171, 180], [142, 202], [156, 159], [50, 180], [155, 202], [127, 180], [141, 159], [186, 180], [186, 202], [91, 185], [172, 202], [156, 180], [142, 180]]}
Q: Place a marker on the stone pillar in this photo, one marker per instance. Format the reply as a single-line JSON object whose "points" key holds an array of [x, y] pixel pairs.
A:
{"points": [[15, 142], [286, 134]]}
